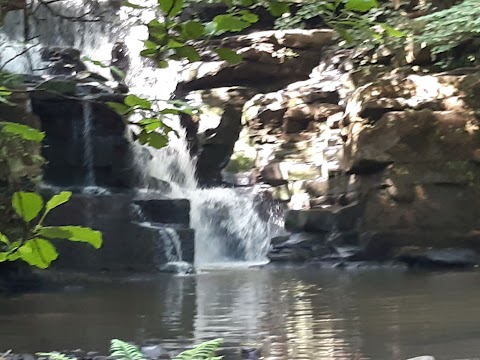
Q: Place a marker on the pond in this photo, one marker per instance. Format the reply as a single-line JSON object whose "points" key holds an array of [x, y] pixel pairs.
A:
{"points": [[295, 312]]}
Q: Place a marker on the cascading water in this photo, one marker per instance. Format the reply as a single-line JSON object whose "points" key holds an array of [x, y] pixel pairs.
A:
{"points": [[171, 244], [100, 26], [228, 226], [88, 140], [229, 229]]}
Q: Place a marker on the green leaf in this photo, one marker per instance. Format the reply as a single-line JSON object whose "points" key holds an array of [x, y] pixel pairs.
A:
{"points": [[150, 45], [38, 252], [5, 91], [120, 74], [228, 22], [157, 140], [162, 64], [193, 29], [26, 132], [134, 100], [229, 55], [57, 200], [120, 109], [133, 6], [73, 233], [249, 17], [4, 239], [247, 3], [203, 351], [165, 5], [94, 62], [149, 52], [188, 52], [173, 44], [122, 350], [392, 31], [27, 205], [361, 5], [277, 8], [177, 7], [151, 124]]}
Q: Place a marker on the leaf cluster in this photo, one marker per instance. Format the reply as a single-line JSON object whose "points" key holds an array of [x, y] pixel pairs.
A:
{"points": [[153, 130], [444, 30], [171, 38], [354, 20], [35, 246], [123, 350]]}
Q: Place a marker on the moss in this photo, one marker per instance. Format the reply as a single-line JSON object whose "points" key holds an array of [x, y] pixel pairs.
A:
{"points": [[240, 163]]}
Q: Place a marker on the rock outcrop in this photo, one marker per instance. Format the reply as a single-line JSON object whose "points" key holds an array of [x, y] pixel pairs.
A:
{"points": [[373, 167]]}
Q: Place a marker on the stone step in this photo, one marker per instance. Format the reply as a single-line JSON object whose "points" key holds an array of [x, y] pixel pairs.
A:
{"points": [[166, 211], [186, 237]]}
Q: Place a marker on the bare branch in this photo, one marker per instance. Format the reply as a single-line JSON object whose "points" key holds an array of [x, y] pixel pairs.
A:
{"points": [[80, 18], [23, 52]]}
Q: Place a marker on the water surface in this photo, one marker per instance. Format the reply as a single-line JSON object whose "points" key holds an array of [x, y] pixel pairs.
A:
{"points": [[295, 312]]}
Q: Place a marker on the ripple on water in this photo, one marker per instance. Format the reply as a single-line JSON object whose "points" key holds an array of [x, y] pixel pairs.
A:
{"points": [[293, 313]]}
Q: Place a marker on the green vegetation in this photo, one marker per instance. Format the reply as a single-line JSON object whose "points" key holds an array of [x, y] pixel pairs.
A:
{"points": [[122, 350], [34, 246], [30, 240], [445, 30]]}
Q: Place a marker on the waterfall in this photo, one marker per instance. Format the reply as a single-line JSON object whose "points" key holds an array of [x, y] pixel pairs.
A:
{"points": [[229, 229], [88, 142], [111, 25], [171, 244]]}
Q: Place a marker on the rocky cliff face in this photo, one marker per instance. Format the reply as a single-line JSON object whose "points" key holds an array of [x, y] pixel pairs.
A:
{"points": [[375, 164]]}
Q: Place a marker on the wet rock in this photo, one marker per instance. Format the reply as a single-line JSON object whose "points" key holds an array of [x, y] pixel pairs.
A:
{"points": [[272, 174], [267, 56], [178, 268], [155, 351], [251, 353], [62, 60], [315, 220], [290, 255], [449, 257], [347, 217], [127, 246], [166, 211], [344, 253]]}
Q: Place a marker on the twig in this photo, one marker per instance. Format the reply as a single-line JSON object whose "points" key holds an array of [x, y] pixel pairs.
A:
{"points": [[23, 52], [79, 18], [69, 97], [6, 353]]}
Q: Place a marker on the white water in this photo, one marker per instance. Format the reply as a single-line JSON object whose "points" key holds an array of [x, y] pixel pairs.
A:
{"points": [[171, 244], [88, 142], [95, 39], [228, 228]]}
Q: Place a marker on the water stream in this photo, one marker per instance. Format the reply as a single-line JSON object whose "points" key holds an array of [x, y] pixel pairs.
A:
{"points": [[88, 142], [294, 313], [229, 229]]}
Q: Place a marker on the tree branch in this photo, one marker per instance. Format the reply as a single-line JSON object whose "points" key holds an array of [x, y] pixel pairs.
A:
{"points": [[80, 18], [23, 52]]}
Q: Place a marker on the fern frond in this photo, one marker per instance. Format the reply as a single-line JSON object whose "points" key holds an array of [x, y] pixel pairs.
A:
{"points": [[203, 351], [125, 351], [55, 356]]}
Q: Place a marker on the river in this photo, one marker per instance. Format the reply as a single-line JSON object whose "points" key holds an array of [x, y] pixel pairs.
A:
{"points": [[296, 312]]}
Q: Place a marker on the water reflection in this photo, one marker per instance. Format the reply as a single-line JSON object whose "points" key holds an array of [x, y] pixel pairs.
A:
{"points": [[293, 313]]}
